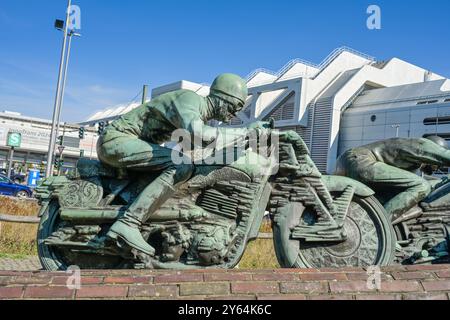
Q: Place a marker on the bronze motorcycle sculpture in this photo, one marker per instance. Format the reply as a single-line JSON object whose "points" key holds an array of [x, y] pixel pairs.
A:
{"points": [[318, 220]]}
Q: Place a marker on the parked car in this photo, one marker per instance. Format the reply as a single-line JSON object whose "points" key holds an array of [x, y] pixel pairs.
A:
{"points": [[9, 188], [16, 177]]}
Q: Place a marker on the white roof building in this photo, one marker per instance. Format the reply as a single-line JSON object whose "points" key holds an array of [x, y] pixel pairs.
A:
{"points": [[311, 99]]}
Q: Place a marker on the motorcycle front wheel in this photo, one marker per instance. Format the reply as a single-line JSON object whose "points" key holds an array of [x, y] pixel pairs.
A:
{"points": [[370, 238], [53, 258]]}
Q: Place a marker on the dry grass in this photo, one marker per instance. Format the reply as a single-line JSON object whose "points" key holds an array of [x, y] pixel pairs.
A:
{"points": [[260, 254], [266, 226], [17, 240]]}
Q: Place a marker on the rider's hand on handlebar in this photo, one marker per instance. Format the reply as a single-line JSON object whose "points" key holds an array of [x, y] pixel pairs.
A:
{"points": [[261, 128], [260, 125]]}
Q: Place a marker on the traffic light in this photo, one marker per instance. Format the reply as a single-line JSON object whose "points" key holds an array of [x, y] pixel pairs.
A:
{"points": [[60, 140], [81, 153], [81, 133], [101, 127], [57, 164]]}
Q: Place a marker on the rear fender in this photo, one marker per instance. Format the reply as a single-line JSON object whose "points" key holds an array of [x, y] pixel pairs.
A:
{"points": [[339, 183]]}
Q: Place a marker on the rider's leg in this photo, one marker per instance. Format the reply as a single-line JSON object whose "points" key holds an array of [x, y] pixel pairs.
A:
{"points": [[417, 189], [149, 200], [361, 164], [130, 153], [410, 187], [127, 152]]}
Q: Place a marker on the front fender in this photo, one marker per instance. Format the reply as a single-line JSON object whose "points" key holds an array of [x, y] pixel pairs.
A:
{"points": [[339, 183], [45, 188]]}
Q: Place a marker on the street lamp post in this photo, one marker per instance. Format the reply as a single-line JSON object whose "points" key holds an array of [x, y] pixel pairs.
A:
{"points": [[397, 127], [57, 106], [63, 86]]}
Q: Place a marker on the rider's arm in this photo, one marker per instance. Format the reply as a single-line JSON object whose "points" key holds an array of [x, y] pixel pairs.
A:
{"points": [[220, 137], [202, 134], [433, 154]]}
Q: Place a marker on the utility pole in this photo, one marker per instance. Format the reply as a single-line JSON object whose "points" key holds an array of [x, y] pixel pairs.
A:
{"points": [[14, 141], [10, 162], [61, 148], [63, 87], [57, 106]]}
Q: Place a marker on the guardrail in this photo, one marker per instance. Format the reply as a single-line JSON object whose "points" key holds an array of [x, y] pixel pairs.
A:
{"points": [[336, 52], [19, 219], [252, 74]]}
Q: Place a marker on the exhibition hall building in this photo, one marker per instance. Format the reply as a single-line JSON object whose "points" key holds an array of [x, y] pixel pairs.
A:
{"points": [[35, 137]]}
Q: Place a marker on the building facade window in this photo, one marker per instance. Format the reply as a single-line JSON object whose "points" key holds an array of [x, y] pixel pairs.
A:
{"points": [[436, 121], [427, 102]]}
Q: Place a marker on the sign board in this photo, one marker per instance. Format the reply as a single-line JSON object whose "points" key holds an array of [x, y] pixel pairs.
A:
{"points": [[33, 178], [71, 142], [14, 140]]}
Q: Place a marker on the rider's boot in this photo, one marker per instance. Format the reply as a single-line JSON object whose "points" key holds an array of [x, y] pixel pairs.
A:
{"points": [[128, 230], [127, 227]]}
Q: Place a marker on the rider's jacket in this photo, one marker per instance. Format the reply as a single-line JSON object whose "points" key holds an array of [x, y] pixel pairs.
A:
{"points": [[155, 121]]}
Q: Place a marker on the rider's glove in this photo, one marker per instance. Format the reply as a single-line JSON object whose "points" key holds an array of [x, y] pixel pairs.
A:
{"points": [[260, 125], [259, 129]]}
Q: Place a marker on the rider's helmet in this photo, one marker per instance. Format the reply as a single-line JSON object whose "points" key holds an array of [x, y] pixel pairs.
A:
{"points": [[439, 141], [230, 88]]}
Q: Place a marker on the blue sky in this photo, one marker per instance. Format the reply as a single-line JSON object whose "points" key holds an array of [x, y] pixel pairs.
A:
{"points": [[125, 44]]}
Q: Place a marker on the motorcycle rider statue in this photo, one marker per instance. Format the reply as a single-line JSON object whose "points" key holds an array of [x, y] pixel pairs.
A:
{"points": [[133, 142], [389, 166]]}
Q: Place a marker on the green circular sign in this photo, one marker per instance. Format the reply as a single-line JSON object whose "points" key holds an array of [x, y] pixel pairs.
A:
{"points": [[14, 139]]}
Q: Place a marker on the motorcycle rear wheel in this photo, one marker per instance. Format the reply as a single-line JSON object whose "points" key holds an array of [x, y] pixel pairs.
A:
{"points": [[371, 238], [55, 259]]}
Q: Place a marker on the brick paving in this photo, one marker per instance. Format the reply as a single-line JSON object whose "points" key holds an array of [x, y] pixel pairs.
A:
{"points": [[397, 283]]}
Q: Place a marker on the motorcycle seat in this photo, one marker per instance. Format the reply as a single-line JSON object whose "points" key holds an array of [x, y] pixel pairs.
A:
{"points": [[93, 168]]}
